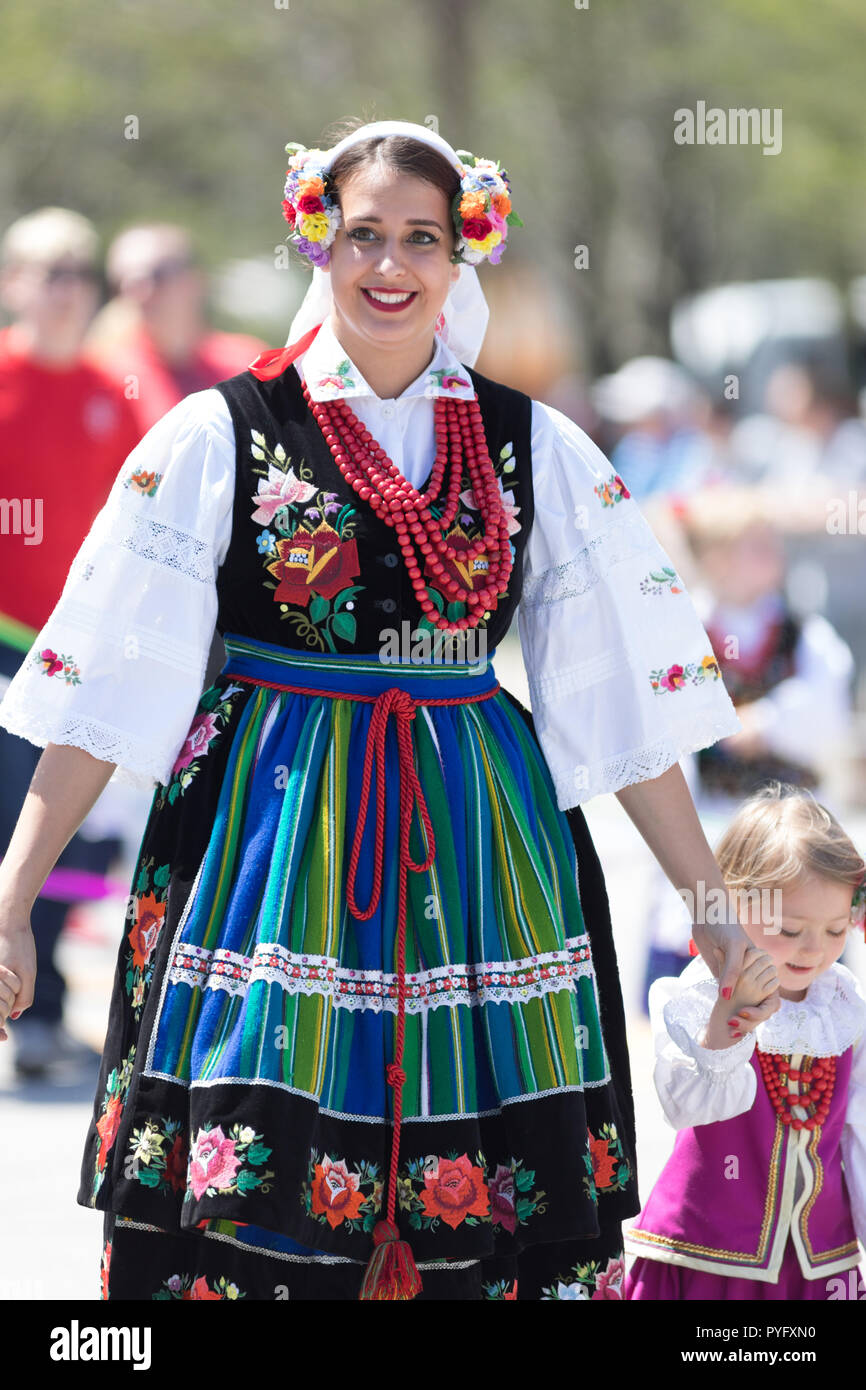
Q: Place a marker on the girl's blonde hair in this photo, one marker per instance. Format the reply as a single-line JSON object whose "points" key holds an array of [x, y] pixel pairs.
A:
{"points": [[780, 833]]}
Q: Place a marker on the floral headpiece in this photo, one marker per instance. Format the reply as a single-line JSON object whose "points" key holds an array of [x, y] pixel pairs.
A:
{"points": [[480, 210], [858, 906]]}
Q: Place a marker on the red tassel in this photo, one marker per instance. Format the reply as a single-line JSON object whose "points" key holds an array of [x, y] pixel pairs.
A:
{"points": [[391, 1273], [693, 950]]}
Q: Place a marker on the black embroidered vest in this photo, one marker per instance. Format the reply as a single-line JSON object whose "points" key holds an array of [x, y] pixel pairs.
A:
{"points": [[312, 567]]}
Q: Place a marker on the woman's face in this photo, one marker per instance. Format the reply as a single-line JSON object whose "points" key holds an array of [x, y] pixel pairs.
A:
{"points": [[390, 264]]}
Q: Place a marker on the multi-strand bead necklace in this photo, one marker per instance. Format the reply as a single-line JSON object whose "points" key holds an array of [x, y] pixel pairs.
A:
{"points": [[377, 480]]}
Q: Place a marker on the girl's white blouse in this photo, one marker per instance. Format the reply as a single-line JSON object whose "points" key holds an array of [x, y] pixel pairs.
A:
{"points": [[602, 616], [700, 1086]]}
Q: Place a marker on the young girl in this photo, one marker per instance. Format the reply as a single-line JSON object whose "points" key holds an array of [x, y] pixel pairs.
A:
{"points": [[764, 1195], [366, 1036]]}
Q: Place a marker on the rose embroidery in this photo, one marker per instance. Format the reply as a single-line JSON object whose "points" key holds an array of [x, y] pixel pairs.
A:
{"points": [[446, 381], [188, 1290], [226, 1163], [589, 1282], [279, 490], [337, 1193], [149, 917], [108, 1124], [317, 562], [454, 1190]]}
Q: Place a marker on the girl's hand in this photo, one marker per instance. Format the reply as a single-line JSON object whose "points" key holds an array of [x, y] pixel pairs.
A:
{"points": [[754, 998], [17, 965]]}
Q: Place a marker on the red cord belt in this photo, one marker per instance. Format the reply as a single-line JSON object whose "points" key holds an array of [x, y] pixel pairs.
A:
{"points": [[399, 1279]]}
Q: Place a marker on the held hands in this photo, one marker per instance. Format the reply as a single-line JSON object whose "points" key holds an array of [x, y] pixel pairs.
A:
{"points": [[17, 967], [754, 998]]}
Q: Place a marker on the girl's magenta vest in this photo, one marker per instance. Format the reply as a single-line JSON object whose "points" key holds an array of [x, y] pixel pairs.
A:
{"points": [[732, 1191]]}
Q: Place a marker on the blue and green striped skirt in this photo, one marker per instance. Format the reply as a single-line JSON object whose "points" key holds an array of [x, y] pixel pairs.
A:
{"points": [[243, 1109]]}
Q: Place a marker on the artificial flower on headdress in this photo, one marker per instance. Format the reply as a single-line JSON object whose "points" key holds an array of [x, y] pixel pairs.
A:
{"points": [[309, 205], [858, 906], [481, 209]]}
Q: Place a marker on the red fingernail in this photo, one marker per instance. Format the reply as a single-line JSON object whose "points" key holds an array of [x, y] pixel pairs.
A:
{"points": [[18, 1015], [726, 993], [732, 1023]]}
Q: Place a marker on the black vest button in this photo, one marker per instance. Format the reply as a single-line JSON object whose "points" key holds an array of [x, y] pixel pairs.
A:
{"points": [[388, 605], [390, 560]]}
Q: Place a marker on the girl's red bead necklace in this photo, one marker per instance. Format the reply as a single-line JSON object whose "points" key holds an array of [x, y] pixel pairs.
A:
{"points": [[814, 1088], [377, 480]]}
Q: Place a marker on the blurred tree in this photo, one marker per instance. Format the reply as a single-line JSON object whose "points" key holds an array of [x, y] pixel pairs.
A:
{"points": [[150, 108]]}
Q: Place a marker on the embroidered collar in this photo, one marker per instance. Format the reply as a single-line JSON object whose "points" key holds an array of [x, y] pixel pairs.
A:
{"points": [[824, 1024], [330, 373]]}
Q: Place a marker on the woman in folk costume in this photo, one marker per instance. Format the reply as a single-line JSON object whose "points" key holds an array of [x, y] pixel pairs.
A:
{"points": [[366, 1038]]}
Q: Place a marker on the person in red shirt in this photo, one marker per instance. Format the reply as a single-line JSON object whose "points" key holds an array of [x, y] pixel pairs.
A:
{"points": [[65, 430], [153, 338]]}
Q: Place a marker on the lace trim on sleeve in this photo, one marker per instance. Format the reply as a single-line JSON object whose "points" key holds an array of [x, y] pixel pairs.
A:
{"points": [[576, 576], [686, 1015], [100, 740], [641, 764]]}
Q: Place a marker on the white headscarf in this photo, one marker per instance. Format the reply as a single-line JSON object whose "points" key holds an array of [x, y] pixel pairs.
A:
{"points": [[463, 321]]}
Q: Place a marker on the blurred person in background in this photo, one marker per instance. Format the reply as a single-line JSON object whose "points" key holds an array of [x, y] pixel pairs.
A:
{"points": [[153, 339], [65, 430], [789, 677], [655, 407], [808, 435]]}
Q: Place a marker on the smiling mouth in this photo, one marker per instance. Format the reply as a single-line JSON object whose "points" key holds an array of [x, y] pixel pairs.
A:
{"points": [[389, 301], [802, 969]]}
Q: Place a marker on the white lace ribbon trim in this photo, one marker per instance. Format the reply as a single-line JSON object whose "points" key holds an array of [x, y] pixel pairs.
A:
{"points": [[488, 982], [630, 536], [699, 729], [156, 541], [110, 745]]}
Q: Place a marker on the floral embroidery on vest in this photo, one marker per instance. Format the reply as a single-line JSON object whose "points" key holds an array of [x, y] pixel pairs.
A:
{"points": [[466, 529], [501, 1291], [657, 581], [313, 561], [54, 665], [143, 482], [676, 676], [108, 1123], [104, 1268], [147, 908], [614, 490]]}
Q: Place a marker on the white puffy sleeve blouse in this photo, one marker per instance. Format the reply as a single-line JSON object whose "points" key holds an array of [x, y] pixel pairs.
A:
{"points": [[621, 673]]}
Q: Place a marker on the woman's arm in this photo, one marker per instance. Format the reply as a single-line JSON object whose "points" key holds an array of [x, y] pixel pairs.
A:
{"points": [[663, 811], [64, 788]]}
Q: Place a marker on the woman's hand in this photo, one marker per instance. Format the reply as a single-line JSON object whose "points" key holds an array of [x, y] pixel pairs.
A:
{"points": [[754, 998], [724, 946], [17, 965]]}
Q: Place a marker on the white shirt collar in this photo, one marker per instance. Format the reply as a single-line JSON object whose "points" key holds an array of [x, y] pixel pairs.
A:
{"points": [[330, 373]]}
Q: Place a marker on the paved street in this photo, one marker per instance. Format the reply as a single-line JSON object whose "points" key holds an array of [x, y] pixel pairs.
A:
{"points": [[51, 1246]]}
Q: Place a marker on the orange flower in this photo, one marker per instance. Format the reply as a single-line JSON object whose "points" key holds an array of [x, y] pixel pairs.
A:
{"points": [[201, 1293], [336, 1193], [107, 1127], [145, 929], [502, 203], [454, 1191], [603, 1164], [473, 204]]}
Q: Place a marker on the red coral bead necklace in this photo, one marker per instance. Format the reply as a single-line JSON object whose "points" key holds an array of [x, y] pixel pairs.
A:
{"points": [[459, 432], [815, 1081]]}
